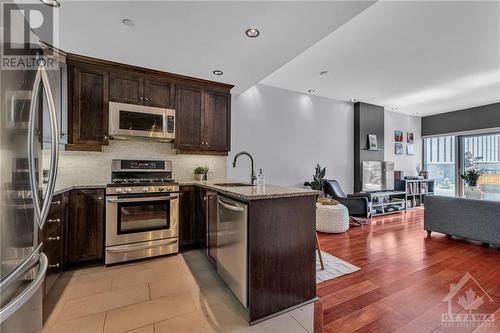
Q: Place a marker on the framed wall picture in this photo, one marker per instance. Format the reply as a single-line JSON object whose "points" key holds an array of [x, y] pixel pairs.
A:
{"points": [[409, 137], [372, 142], [398, 148], [398, 136], [409, 149]]}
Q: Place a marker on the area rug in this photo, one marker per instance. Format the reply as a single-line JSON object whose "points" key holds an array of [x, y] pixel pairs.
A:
{"points": [[334, 267]]}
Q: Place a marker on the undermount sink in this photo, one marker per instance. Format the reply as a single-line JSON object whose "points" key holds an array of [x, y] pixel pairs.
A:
{"points": [[233, 184]]}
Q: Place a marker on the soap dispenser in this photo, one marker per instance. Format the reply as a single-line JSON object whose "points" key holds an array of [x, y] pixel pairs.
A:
{"points": [[260, 178]]}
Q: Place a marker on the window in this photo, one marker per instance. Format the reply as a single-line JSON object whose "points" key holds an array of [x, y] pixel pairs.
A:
{"points": [[483, 151], [440, 162]]}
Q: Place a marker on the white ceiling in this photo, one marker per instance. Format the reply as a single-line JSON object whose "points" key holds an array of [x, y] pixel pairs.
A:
{"points": [[195, 38], [420, 57]]}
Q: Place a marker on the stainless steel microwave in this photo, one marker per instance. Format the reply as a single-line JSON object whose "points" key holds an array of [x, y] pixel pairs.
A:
{"points": [[130, 121]]}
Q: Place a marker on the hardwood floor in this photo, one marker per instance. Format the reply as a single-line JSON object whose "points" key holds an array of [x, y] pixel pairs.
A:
{"points": [[404, 278]]}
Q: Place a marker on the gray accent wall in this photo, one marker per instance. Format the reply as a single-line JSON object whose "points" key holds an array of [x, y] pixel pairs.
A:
{"points": [[368, 119], [472, 119]]}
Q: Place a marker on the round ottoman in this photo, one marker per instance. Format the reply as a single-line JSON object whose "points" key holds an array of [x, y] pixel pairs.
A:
{"points": [[332, 219]]}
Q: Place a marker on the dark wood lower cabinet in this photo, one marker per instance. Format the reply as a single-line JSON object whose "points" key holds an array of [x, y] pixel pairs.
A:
{"points": [[201, 217], [53, 239], [211, 222], [281, 254], [187, 217], [85, 227]]}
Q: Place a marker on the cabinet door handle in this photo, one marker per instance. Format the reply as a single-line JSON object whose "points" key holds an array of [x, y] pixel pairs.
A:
{"points": [[141, 98], [99, 198], [58, 202], [147, 99], [53, 266], [54, 220], [54, 238]]}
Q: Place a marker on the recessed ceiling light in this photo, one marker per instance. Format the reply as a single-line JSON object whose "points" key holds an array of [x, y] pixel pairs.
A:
{"points": [[252, 32], [311, 91], [128, 22], [352, 100], [323, 73], [218, 72], [51, 3]]}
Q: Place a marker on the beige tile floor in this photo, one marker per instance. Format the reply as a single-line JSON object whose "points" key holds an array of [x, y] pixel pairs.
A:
{"points": [[174, 294]]}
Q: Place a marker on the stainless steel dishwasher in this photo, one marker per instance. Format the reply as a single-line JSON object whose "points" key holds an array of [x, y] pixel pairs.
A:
{"points": [[232, 246]]}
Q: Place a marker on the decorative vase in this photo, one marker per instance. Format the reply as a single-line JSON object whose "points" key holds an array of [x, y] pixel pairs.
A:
{"points": [[473, 192], [199, 176]]}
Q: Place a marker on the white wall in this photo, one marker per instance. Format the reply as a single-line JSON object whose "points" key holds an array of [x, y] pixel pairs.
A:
{"points": [[397, 121], [288, 133]]}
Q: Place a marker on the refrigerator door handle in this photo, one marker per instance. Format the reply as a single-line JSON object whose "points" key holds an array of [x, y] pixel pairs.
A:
{"points": [[31, 152], [54, 151], [27, 293], [42, 212]]}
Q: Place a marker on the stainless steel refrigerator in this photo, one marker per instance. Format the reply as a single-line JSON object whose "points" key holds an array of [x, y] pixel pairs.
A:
{"points": [[28, 129]]}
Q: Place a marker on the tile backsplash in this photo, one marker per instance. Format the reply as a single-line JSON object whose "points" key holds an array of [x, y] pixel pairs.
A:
{"points": [[94, 168]]}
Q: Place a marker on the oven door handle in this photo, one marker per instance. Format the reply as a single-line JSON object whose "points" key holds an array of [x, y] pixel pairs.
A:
{"points": [[140, 247], [144, 199]]}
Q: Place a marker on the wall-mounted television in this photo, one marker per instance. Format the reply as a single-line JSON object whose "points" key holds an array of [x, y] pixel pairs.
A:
{"points": [[378, 176]]}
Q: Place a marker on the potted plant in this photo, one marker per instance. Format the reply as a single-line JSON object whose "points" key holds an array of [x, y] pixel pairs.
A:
{"points": [[471, 176], [200, 172], [318, 179]]}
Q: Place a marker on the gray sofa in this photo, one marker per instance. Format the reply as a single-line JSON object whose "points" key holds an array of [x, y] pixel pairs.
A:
{"points": [[477, 220]]}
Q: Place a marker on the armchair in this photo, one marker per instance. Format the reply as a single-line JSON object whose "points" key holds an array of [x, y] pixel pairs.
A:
{"points": [[358, 205]]}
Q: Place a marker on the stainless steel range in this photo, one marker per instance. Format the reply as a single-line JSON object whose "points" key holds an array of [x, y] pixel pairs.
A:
{"points": [[142, 210]]}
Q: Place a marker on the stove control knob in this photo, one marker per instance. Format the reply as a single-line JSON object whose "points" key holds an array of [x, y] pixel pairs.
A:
{"points": [[128, 190], [161, 189], [145, 189], [119, 190]]}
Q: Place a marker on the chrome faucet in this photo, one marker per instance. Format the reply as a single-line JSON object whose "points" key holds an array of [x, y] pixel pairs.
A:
{"points": [[253, 178]]}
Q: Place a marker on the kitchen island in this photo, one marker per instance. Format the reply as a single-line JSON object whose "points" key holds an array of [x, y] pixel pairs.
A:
{"points": [[280, 236], [281, 224]]}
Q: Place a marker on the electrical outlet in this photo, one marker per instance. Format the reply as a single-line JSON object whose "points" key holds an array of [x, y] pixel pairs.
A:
{"points": [[211, 168]]}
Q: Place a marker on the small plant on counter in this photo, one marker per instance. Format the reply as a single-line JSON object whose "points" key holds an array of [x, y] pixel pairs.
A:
{"points": [[318, 179], [200, 172]]}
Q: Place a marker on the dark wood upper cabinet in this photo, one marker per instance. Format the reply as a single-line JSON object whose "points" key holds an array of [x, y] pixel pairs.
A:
{"points": [[189, 110], [88, 98], [126, 87], [217, 120], [85, 227], [203, 119], [158, 93], [203, 108]]}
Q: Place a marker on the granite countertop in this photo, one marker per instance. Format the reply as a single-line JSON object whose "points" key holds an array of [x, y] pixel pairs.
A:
{"points": [[251, 192], [239, 192], [63, 188]]}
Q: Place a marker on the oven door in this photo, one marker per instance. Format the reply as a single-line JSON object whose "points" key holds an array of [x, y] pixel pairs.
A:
{"points": [[131, 219], [142, 122]]}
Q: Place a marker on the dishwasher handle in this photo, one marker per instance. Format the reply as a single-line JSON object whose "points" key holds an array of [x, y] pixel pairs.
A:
{"points": [[230, 207]]}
